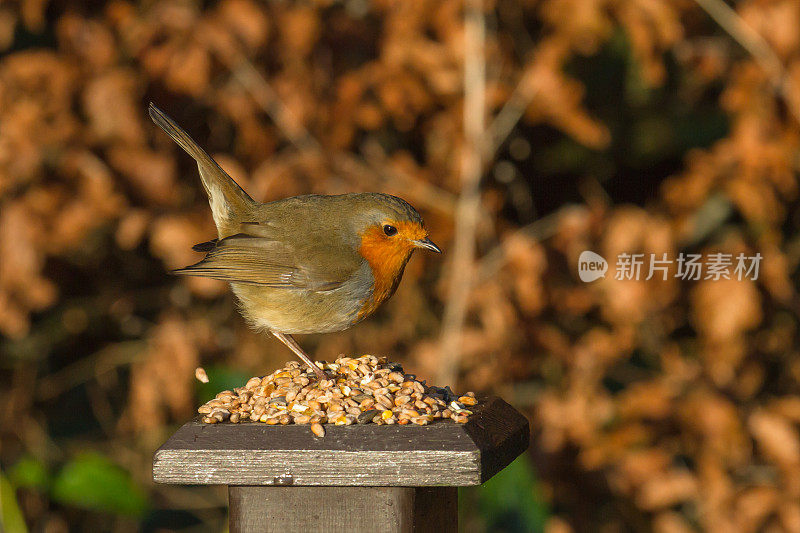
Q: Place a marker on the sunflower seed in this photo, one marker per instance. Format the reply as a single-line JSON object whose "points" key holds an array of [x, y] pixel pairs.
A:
{"points": [[367, 416]]}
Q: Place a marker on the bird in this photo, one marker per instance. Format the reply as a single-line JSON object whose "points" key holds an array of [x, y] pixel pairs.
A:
{"points": [[305, 264]]}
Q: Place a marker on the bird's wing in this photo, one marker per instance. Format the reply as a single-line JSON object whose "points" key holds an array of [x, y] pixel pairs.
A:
{"points": [[256, 258]]}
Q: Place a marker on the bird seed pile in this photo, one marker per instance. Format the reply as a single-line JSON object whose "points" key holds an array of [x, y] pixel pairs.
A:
{"points": [[362, 390]]}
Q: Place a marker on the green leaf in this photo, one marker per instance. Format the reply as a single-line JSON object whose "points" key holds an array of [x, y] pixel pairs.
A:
{"points": [[92, 481], [511, 501], [220, 378], [11, 520], [30, 473]]}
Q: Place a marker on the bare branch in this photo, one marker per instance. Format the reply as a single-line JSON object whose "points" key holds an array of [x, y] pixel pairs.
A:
{"points": [[509, 115], [538, 230], [462, 264], [735, 26]]}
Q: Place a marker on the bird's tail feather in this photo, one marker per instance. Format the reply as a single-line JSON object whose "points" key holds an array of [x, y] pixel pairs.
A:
{"points": [[227, 199]]}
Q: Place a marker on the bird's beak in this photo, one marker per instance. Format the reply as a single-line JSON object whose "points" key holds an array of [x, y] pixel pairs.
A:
{"points": [[427, 244]]}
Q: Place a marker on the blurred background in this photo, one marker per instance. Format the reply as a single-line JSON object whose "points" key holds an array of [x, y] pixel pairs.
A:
{"points": [[525, 133]]}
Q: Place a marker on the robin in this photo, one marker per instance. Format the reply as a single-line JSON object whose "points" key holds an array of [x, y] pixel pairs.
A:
{"points": [[306, 264]]}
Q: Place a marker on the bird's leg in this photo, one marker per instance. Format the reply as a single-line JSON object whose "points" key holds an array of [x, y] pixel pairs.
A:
{"points": [[289, 341]]}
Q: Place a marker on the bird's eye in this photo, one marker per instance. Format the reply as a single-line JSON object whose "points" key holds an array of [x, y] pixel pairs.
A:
{"points": [[389, 230]]}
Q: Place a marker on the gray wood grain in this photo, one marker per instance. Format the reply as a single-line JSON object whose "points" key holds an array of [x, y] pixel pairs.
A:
{"points": [[343, 509], [441, 454]]}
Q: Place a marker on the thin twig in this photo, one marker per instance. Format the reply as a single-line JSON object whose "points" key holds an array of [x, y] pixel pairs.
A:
{"points": [[509, 115], [87, 368], [462, 265], [267, 99], [538, 230], [749, 39]]}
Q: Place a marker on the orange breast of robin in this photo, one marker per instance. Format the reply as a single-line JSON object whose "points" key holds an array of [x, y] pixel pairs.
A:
{"points": [[387, 257]]}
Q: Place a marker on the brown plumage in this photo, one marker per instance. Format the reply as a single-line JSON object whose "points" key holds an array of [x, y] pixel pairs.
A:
{"points": [[306, 264]]}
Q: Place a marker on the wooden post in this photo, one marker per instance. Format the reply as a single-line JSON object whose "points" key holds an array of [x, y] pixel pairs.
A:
{"points": [[286, 509], [357, 478]]}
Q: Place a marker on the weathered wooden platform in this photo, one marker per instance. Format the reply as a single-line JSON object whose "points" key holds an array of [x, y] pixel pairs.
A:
{"points": [[394, 464], [441, 454]]}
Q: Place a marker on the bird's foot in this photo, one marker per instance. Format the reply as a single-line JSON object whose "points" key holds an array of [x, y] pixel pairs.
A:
{"points": [[289, 341], [319, 373]]}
